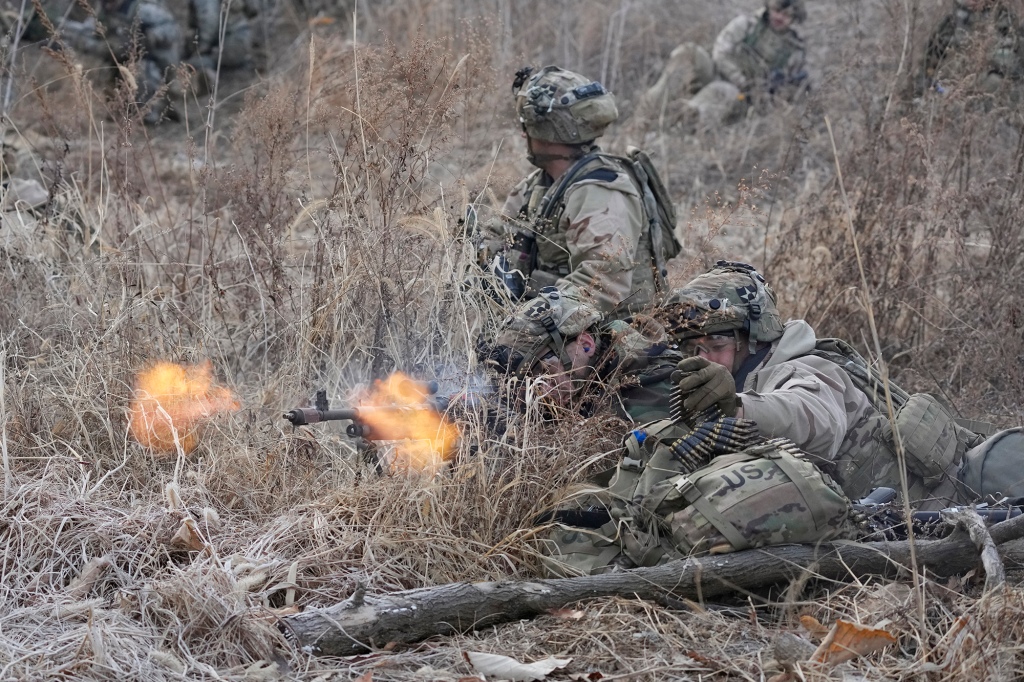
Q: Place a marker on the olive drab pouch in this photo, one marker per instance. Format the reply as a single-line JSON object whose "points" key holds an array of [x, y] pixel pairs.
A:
{"points": [[569, 551], [931, 437], [573, 550], [995, 468]]}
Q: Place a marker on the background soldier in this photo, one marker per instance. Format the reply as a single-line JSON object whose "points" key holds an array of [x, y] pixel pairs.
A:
{"points": [[979, 38], [754, 57], [580, 222]]}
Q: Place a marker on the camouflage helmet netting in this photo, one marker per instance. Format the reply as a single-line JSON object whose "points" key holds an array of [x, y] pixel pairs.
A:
{"points": [[544, 324], [556, 105], [795, 7], [731, 297]]}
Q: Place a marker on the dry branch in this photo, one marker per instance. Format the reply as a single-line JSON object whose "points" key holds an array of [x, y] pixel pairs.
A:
{"points": [[355, 626], [995, 574]]}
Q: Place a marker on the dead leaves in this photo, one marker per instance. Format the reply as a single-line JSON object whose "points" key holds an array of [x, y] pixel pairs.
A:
{"points": [[505, 668], [844, 641], [847, 641]]}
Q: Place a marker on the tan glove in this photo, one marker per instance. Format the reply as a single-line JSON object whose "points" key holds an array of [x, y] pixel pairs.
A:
{"points": [[705, 383]]}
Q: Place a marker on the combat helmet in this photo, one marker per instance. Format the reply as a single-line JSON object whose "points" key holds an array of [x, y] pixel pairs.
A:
{"points": [[732, 297], [556, 105], [543, 325], [794, 7]]}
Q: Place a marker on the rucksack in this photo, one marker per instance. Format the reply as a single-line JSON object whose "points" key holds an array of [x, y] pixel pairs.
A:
{"points": [[658, 207]]}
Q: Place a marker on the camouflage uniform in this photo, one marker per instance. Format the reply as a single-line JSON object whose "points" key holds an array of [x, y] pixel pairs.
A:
{"points": [[812, 435], [965, 37], [658, 507], [596, 247], [587, 231], [749, 60], [240, 41], [695, 483], [127, 23]]}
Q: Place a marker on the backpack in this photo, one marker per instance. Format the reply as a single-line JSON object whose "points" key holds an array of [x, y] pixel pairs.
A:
{"points": [[658, 207], [933, 439]]}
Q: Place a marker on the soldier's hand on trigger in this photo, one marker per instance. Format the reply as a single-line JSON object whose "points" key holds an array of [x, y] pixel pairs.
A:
{"points": [[706, 383]]}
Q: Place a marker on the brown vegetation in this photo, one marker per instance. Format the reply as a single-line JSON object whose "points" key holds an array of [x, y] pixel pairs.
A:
{"points": [[305, 232]]}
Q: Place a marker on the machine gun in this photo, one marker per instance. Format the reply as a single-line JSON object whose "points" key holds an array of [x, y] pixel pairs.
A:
{"points": [[878, 517], [362, 418], [411, 412]]}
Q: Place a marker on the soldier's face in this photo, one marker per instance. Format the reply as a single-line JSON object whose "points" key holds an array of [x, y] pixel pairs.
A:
{"points": [[556, 379], [779, 20], [722, 350]]}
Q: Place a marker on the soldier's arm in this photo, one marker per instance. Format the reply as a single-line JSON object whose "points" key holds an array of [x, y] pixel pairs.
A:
{"points": [[491, 232], [796, 68], [727, 50], [804, 403], [605, 224]]}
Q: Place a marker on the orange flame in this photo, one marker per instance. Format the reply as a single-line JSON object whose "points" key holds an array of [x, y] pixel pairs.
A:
{"points": [[170, 402], [424, 439]]}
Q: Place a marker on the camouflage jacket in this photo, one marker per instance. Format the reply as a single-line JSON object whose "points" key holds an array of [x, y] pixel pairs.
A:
{"points": [[597, 245], [798, 394], [807, 399], [748, 51], [995, 31]]}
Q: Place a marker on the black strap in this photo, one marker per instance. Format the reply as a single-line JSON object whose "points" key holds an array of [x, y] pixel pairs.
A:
{"points": [[749, 365]]}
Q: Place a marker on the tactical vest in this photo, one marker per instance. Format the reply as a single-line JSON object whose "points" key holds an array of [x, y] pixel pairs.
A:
{"points": [[765, 51], [546, 257], [932, 439]]}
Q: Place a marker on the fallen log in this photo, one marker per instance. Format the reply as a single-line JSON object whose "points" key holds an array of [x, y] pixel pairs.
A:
{"points": [[365, 622]]}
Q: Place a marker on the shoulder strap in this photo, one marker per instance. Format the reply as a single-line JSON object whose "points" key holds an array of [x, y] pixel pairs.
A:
{"points": [[552, 201], [864, 376]]}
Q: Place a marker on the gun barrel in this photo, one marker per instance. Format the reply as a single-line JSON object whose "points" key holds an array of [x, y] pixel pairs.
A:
{"points": [[301, 416]]}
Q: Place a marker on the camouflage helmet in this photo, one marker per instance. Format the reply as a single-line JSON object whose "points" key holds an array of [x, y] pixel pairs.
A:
{"points": [[732, 297], [556, 105], [543, 325], [794, 7]]}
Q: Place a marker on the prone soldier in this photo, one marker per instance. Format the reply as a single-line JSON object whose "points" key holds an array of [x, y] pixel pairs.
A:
{"points": [[771, 432]]}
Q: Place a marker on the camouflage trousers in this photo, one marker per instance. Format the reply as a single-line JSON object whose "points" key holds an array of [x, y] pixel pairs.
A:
{"points": [[689, 94], [655, 511]]}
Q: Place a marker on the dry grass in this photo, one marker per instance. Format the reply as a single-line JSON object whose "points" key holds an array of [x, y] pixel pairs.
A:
{"points": [[304, 232]]}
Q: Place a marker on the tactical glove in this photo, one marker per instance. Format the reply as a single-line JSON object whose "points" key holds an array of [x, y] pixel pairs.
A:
{"points": [[704, 383]]}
